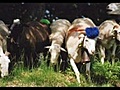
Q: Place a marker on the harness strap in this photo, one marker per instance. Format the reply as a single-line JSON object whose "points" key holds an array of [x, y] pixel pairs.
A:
{"points": [[76, 29]]}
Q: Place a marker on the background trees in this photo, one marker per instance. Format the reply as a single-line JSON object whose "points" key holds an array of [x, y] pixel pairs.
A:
{"points": [[24, 11], [36, 11]]}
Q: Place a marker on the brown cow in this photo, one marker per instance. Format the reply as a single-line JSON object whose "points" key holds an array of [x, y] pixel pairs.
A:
{"points": [[32, 39]]}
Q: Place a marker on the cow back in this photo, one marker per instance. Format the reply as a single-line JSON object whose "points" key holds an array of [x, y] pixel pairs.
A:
{"points": [[34, 34]]}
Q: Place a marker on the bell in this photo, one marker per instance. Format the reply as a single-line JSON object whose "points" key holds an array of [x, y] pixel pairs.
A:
{"points": [[85, 58]]}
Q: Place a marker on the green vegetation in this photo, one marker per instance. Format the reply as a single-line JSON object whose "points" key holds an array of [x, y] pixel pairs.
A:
{"points": [[106, 75]]}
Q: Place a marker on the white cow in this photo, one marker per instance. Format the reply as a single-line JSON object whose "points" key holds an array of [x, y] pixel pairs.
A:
{"points": [[113, 8], [108, 37], [4, 63], [77, 39], [58, 33], [4, 59]]}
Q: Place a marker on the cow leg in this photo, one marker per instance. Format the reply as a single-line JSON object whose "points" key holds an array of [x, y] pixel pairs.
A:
{"points": [[64, 63], [31, 61], [77, 73], [86, 60], [36, 61], [113, 53], [4, 45], [102, 54], [88, 71], [108, 55], [57, 66], [45, 55], [27, 60]]}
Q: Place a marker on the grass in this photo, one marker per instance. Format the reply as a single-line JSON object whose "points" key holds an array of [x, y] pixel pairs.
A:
{"points": [[43, 76]]}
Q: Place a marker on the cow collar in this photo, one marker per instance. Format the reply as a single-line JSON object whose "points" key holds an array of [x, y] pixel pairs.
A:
{"points": [[76, 29]]}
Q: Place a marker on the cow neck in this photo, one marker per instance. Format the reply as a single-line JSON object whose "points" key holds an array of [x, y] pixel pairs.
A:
{"points": [[84, 52], [108, 36], [80, 46], [57, 39], [114, 35], [77, 28]]}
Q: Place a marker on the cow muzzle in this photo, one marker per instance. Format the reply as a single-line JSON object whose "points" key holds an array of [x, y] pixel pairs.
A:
{"points": [[92, 52]]}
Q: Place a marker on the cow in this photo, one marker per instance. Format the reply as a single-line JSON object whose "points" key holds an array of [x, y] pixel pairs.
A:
{"points": [[113, 8], [80, 43], [13, 42], [57, 37], [33, 37], [108, 39], [4, 54]]}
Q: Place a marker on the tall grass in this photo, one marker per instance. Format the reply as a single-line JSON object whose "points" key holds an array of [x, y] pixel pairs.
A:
{"points": [[102, 76]]}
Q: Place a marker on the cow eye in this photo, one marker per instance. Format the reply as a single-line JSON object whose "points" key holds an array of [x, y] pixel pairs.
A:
{"points": [[86, 40], [57, 46]]}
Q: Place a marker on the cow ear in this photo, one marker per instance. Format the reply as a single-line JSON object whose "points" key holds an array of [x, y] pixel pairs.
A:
{"points": [[63, 49], [116, 26], [51, 36], [7, 53], [115, 32]]}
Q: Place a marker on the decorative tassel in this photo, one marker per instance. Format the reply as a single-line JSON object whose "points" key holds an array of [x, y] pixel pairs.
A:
{"points": [[92, 32]]}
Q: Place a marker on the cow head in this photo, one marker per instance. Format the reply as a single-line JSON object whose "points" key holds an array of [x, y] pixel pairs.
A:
{"points": [[89, 44], [90, 39], [54, 50], [113, 8], [4, 62], [4, 65], [116, 30]]}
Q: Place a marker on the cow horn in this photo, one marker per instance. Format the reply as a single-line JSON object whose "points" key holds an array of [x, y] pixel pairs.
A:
{"points": [[47, 47], [63, 49]]}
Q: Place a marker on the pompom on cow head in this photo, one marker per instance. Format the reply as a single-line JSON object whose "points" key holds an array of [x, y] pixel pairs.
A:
{"points": [[92, 32]]}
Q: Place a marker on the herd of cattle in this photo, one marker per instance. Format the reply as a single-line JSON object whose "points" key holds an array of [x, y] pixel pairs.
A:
{"points": [[64, 41]]}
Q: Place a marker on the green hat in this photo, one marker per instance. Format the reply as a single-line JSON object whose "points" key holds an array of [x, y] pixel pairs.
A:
{"points": [[45, 21]]}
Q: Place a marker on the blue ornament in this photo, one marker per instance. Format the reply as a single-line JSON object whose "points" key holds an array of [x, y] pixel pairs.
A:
{"points": [[92, 32]]}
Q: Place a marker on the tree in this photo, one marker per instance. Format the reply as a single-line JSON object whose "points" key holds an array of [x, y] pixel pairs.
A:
{"points": [[70, 11], [25, 11]]}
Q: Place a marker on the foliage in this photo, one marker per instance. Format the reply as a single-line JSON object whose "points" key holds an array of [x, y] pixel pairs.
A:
{"points": [[106, 73], [102, 76]]}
